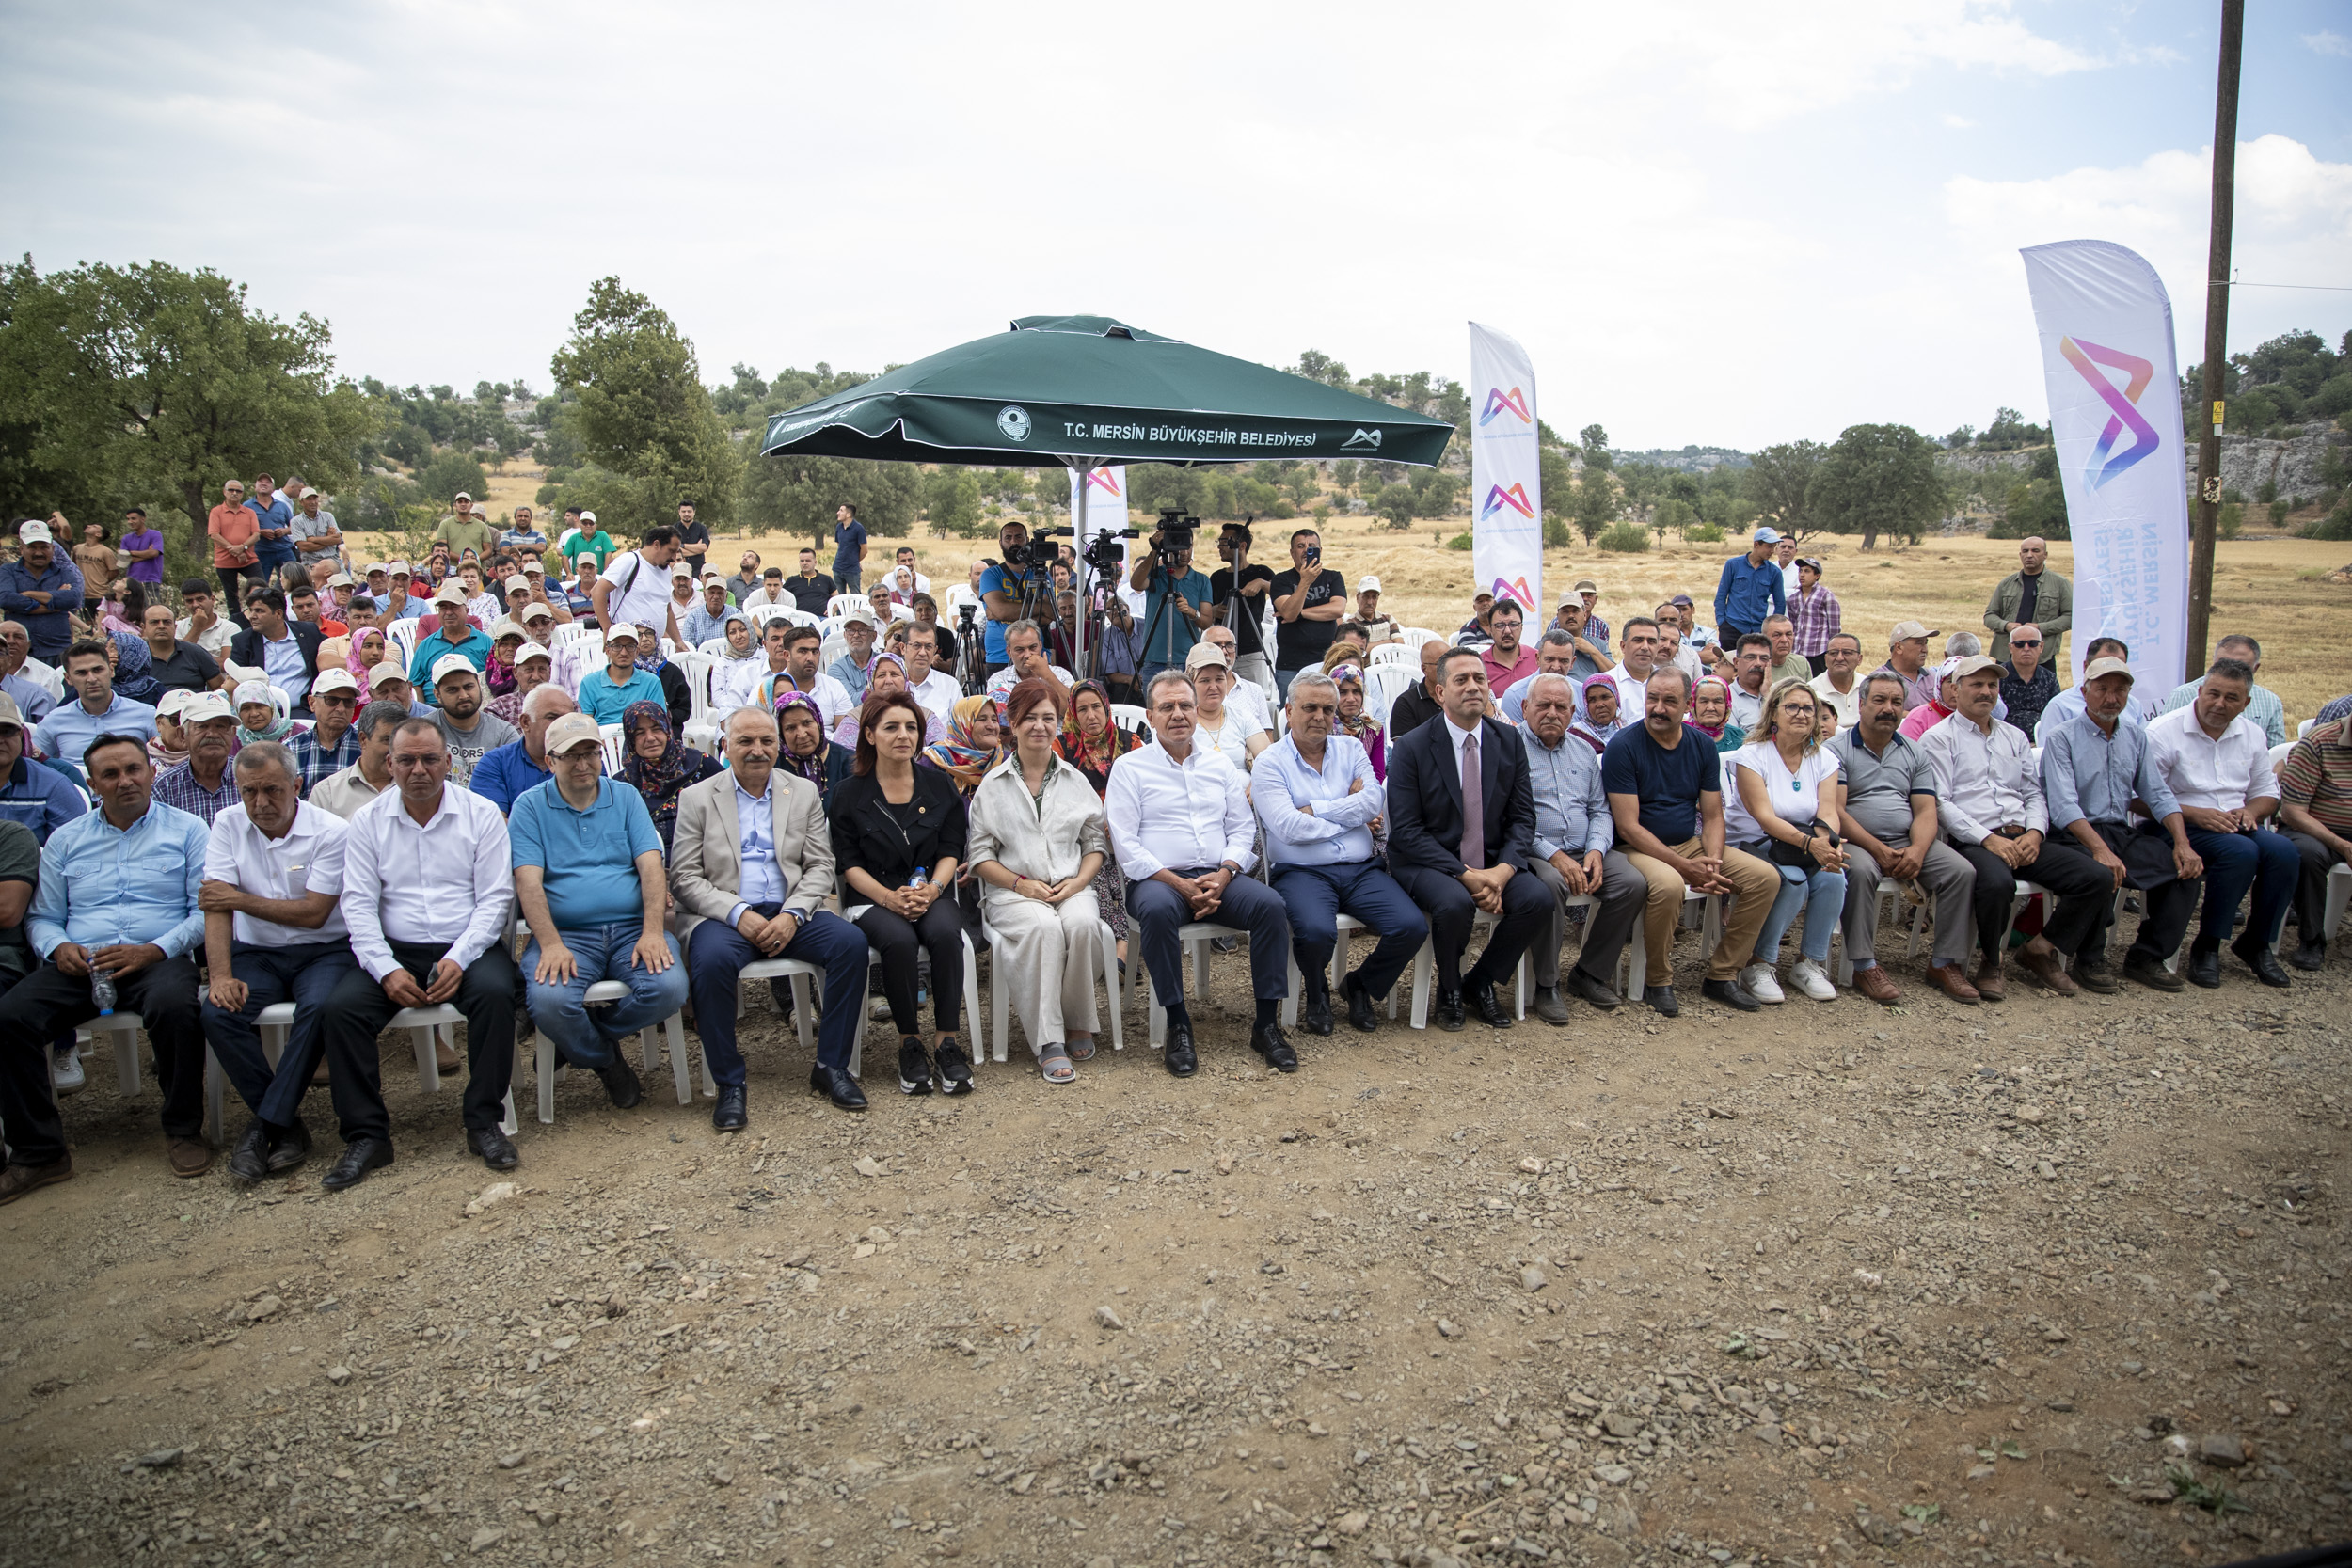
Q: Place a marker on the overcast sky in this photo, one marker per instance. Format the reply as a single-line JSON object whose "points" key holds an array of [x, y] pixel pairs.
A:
{"points": [[1729, 222]]}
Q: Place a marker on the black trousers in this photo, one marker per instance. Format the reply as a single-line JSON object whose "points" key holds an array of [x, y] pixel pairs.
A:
{"points": [[2311, 886], [897, 938], [1527, 909], [2147, 856], [2084, 890], [359, 1010], [48, 1001]]}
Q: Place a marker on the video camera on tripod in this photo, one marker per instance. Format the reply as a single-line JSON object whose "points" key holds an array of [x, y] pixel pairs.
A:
{"points": [[1175, 534]]}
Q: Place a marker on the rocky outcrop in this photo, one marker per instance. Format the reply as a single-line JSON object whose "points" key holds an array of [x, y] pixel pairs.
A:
{"points": [[2248, 462]]}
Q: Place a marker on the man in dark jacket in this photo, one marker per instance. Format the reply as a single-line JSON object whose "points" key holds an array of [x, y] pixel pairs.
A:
{"points": [[286, 651], [1462, 823]]}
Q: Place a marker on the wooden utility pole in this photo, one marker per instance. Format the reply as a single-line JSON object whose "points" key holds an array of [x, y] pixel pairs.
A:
{"points": [[2217, 338]]}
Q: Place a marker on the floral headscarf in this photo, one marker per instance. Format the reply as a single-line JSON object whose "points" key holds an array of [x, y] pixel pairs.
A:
{"points": [[1717, 731], [660, 781], [961, 756], [134, 664], [1363, 723], [498, 672], [259, 691], [1092, 757]]}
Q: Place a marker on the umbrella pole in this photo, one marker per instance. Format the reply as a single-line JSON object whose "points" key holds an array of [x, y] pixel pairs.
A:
{"points": [[1078, 532]]}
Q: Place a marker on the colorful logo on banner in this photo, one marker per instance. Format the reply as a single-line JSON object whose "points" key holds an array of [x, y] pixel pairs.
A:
{"points": [[1514, 590], [1099, 479], [1498, 497], [2085, 357], [1498, 400]]}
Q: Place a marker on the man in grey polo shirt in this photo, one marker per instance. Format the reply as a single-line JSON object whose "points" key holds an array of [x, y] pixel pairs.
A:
{"points": [[1890, 813]]}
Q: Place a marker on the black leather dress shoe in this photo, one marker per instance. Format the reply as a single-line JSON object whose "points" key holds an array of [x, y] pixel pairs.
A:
{"points": [[1267, 1041], [834, 1082], [2262, 962], [728, 1115], [249, 1161], [1364, 1015], [2309, 955], [1315, 1014], [495, 1148], [1602, 996], [359, 1156], [1451, 1017], [1491, 1012], [1177, 1056], [1660, 1000], [289, 1148], [2204, 968], [1731, 995], [620, 1082]]}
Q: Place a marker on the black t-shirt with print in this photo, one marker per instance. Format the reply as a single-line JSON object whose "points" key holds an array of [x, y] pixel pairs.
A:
{"points": [[1301, 643]]}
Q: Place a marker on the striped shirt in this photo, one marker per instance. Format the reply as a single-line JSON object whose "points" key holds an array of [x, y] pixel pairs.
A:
{"points": [[1818, 617], [315, 761], [2317, 775], [177, 787]]}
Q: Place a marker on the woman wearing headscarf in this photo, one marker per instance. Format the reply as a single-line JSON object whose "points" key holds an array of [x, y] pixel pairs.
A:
{"points": [[499, 673], [1358, 725], [971, 747], [1599, 720], [734, 678], [657, 767], [257, 717], [367, 652], [802, 749], [1710, 715], [1090, 742], [887, 673], [134, 680]]}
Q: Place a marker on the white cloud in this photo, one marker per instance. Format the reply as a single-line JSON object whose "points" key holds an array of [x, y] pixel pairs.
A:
{"points": [[1959, 123], [2325, 43]]}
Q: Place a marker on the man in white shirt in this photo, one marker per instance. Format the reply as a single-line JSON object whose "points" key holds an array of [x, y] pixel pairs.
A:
{"points": [[1840, 686], [273, 932], [1025, 656], [906, 562], [1751, 662], [428, 887], [1989, 804], [1315, 793], [1642, 649], [2217, 762], [635, 585], [1180, 826], [935, 689], [768, 593], [801, 645], [201, 626]]}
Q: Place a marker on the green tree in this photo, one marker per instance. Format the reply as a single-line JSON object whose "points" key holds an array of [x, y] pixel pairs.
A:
{"points": [[1397, 503], [952, 498], [798, 494], [1596, 504], [1595, 440], [1879, 479], [150, 384], [642, 412], [1778, 482]]}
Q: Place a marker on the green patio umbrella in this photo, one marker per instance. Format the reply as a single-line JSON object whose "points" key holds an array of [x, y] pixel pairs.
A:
{"points": [[1081, 391]]}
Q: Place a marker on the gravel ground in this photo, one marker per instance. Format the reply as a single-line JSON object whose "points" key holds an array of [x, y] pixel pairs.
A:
{"points": [[2052, 1281]]}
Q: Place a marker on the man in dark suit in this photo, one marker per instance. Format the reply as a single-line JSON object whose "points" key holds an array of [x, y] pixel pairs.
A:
{"points": [[1453, 861], [287, 651]]}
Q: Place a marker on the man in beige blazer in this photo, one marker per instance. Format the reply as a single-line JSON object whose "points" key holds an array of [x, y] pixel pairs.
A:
{"points": [[751, 867]]}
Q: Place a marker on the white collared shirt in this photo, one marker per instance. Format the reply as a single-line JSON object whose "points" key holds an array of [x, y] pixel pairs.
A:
{"points": [[1983, 780], [309, 859], [938, 691], [450, 880], [1460, 737], [1166, 816], [2219, 775]]}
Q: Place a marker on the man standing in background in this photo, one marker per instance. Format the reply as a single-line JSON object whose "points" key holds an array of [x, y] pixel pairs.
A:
{"points": [[848, 550], [2033, 596], [1238, 592], [1750, 588], [1309, 600], [318, 541], [142, 551]]}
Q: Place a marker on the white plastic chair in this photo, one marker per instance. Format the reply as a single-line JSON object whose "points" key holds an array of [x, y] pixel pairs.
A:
{"points": [[1425, 968], [1413, 637], [1000, 1001], [1396, 654], [401, 635], [276, 1023], [957, 594], [849, 604], [615, 748], [603, 994], [1128, 718], [2338, 896], [562, 634], [1385, 683], [831, 649], [1339, 971], [702, 727], [1192, 938], [1890, 891], [1637, 950]]}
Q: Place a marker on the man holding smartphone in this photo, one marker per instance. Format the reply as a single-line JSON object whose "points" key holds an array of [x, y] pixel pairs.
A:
{"points": [[1240, 608], [1309, 600]]}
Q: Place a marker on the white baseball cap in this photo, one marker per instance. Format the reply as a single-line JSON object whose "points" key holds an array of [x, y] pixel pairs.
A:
{"points": [[397, 568], [621, 630], [452, 664], [569, 730], [1367, 584], [585, 557], [202, 705], [530, 651], [587, 516], [33, 532], [168, 707], [334, 680], [517, 583], [535, 611], [451, 593], [308, 493], [384, 674]]}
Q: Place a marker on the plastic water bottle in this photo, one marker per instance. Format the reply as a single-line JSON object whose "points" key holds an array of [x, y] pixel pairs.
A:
{"points": [[920, 879], [101, 991]]}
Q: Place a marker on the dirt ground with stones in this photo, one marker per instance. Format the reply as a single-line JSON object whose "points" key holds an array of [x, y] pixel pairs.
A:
{"points": [[2052, 1281]]}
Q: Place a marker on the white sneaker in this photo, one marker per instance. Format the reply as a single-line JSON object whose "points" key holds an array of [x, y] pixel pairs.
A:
{"points": [[65, 1071], [1758, 981], [1810, 980]]}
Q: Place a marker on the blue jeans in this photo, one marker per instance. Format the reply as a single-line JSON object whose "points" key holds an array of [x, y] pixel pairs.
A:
{"points": [[847, 581], [1317, 895], [2267, 862], [1821, 894], [586, 1036], [715, 956], [305, 974]]}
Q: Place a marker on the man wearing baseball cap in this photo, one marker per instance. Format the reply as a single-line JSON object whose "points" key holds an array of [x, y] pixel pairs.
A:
{"points": [[458, 695], [706, 617], [605, 694], [590, 879], [1907, 661], [273, 932], [332, 744], [36, 794], [1990, 805], [201, 785], [388, 682], [41, 591], [1750, 588], [454, 634], [1368, 622]]}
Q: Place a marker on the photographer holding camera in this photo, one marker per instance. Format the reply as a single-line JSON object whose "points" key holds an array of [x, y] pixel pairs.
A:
{"points": [[1242, 609], [1309, 600], [1011, 590], [1176, 597]]}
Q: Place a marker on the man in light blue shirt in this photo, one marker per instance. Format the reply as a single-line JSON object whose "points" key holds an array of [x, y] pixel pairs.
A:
{"points": [[709, 618], [1556, 654], [96, 709], [452, 633], [1575, 854], [1315, 792], [589, 876], [2262, 704], [116, 896], [32, 795]]}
